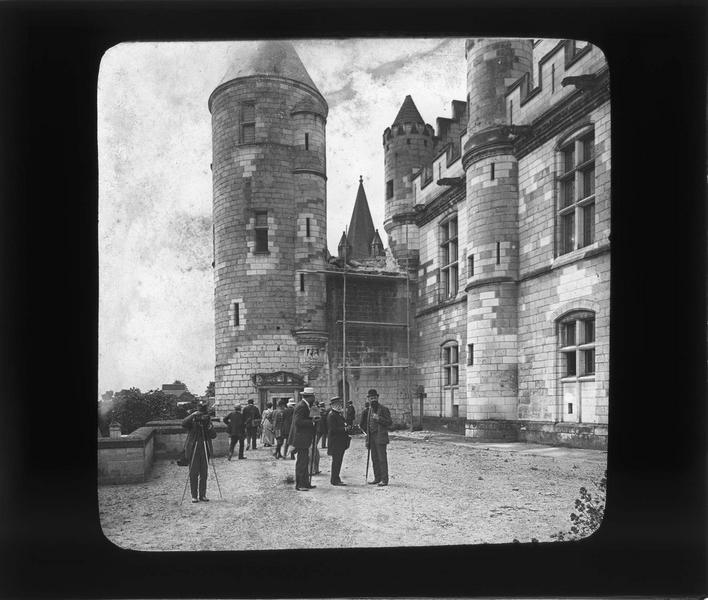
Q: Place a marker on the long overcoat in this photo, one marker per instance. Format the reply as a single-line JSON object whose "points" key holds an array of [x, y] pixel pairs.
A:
{"points": [[303, 426], [336, 430], [378, 429], [288, 423], [197, 434]]}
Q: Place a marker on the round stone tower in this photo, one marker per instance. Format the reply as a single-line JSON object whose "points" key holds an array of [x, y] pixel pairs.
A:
{"points": [[492, 203], [408, 146], [269, 173]]}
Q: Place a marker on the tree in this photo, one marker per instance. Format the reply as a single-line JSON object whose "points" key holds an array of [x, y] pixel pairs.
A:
{"points": [[211, 390], [133, 408]]}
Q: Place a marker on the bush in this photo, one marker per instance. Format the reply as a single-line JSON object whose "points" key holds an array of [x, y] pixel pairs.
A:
{"points": [[590, 511], [133, 408]]}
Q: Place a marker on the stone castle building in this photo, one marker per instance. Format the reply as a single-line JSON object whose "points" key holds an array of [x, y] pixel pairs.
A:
{"points": [[488, 312]]}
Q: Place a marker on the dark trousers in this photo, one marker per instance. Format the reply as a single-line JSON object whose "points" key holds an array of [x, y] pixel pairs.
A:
{"points": [[278, 444], [232, 445], [380, 460], [251, 436], [302, 466], [337, 458], [324, 439], [198, 473]]}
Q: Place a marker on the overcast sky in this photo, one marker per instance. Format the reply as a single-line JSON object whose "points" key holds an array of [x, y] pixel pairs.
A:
{"points": [[155, 190]]}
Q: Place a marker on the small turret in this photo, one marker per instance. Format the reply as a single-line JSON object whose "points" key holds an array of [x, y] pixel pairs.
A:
{"points": [[409, 144], [376, 248]]}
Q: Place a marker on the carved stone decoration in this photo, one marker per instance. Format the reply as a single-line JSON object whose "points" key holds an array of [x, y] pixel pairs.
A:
{"points": [[278, 378]]}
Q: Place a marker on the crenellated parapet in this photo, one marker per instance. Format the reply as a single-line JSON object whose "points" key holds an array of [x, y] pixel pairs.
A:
{"points": [[554, 62]]}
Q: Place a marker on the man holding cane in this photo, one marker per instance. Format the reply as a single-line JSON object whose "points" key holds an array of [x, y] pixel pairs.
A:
{"points": [[378, 420]]}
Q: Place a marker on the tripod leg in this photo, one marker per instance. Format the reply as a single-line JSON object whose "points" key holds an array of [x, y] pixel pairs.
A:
{"points": [[216, 477], [189, 471]]}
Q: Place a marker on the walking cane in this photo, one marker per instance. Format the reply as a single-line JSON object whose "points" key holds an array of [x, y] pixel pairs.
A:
{"points": [[368, 439], [312, 457]]}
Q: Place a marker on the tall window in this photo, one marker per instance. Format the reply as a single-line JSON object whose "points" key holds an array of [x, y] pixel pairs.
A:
{"points": [[261, 229], [248, 123], [389, 189], [448, 259], [450, 365], [576, 194], [576, 333]]}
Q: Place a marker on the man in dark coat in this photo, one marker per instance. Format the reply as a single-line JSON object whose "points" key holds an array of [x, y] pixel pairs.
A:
{"points": [[338, 439], [198, 449], [252, 418], [303, 431], [378, 420], [288, 426], [322, 425], [350, 414], [237, 431]]}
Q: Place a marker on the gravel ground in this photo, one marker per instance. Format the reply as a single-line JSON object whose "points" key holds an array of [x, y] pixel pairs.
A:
{"points": [[443, 490]]}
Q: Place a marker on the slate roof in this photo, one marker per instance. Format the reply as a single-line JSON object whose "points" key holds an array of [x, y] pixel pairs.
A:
{"points": [[361, 227], [272, 57], [408, 113]]}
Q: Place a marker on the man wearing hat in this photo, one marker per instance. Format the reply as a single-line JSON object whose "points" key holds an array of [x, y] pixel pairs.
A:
{"points": [[378, 420], [252, 418], [338, 439], [303, 431], [198, 449], [236, 428]]}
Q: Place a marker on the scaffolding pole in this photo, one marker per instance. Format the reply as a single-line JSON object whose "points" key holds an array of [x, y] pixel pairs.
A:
{"points": [[408, 326], [344, 326]]}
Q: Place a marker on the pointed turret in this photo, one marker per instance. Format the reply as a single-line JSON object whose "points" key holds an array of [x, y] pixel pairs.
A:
{"points": [[376, 246], [408, 113], [272, 57], [361, 226], [342, 249]]}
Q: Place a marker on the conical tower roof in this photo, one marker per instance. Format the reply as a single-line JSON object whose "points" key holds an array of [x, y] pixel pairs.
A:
{"points": [[408, 113], [272, 57], [361, 227]]}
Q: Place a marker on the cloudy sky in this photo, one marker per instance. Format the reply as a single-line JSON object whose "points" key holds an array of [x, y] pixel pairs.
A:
{"points": [[155, 196]]}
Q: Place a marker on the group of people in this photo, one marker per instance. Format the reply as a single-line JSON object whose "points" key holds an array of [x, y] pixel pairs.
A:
{"points": [[299, 427]]}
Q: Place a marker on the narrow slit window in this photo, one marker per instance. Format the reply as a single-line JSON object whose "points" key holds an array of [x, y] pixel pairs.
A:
{"points": [[498, 253], [307, 226], [470, 354], [492, 172], [307, 141], [511, 112], [302, 282], [261, 229], [553, 78], [470, 265], [236, 315]]}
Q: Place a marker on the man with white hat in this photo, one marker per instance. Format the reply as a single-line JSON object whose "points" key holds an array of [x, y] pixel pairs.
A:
{"points": [[303, 431]]}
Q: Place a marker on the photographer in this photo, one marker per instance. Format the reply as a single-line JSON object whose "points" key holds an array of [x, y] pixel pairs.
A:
{"points": [[199, 449]]}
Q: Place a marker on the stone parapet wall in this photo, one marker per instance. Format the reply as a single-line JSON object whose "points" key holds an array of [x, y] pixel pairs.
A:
{"points": [[127, 459]]}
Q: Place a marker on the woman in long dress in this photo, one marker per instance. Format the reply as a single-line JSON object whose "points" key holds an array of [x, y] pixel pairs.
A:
{"points": [[268, 436]]}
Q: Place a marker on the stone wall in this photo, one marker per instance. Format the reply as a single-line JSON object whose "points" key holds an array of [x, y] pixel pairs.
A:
{"points": [[127, 459]]}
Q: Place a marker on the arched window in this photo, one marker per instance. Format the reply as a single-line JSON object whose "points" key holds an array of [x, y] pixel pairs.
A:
{"points": [[576, 192], [576, 341]]}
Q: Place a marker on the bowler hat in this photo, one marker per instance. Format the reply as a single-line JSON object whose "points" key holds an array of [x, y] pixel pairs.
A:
{"points": [[372, 394]]}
